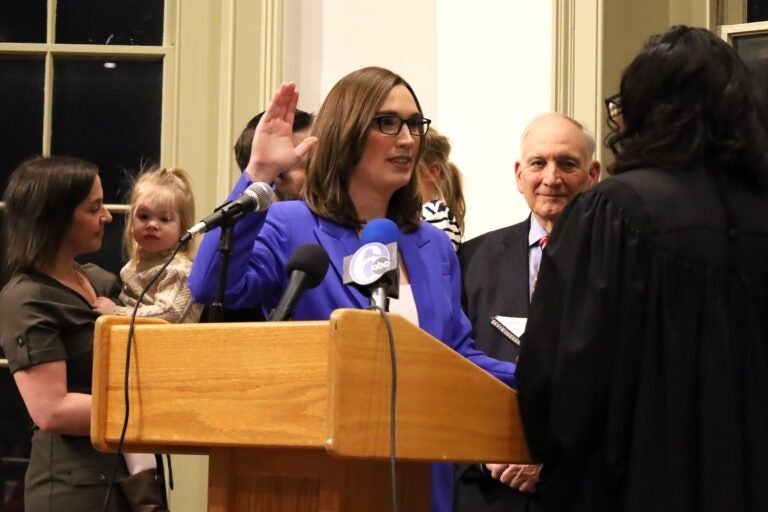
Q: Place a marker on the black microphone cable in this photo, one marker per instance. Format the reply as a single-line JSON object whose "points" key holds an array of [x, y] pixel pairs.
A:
{"points": [[126, 398], [393, 403]]}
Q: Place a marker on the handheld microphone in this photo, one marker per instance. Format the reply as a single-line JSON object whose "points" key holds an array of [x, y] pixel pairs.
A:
{"points": [[256, 198], [306, 269], [374, 268]]}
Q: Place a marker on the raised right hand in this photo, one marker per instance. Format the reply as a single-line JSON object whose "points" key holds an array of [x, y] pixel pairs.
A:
{"points": [[272, 150]]}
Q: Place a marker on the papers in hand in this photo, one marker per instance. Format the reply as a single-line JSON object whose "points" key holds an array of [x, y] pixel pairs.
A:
{"points": [[511, 327]]}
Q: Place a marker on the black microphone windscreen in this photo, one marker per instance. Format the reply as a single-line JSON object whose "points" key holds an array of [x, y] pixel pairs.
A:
{"points": [[310, 259]]}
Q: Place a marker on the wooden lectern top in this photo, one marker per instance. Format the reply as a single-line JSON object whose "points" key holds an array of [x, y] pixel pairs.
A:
{"points": [[299, 385]]}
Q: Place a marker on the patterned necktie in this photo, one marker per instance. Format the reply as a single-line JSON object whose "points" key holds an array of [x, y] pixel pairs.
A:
{"points": [[542, 243]]}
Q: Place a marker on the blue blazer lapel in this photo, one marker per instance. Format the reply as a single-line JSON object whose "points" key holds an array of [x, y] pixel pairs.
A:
{"points": [[424, 274], [339, 241]]}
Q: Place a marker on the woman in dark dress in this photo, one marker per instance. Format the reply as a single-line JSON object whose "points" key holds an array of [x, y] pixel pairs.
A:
{"points": [[54, 213], [643, 374]]}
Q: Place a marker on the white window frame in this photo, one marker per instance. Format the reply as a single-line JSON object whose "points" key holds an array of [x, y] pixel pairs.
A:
{"points": [[50, 50]]}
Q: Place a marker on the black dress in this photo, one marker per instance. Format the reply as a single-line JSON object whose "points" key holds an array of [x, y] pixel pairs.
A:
{"points": [[643, 373], [43, 321]]}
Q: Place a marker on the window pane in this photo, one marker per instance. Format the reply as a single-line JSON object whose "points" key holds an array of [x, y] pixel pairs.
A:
{"points": [[15, 436], [21, 105], [22, 21], [108, 113], [753, 50], [757, 10], [135, 22], [15, 431]]}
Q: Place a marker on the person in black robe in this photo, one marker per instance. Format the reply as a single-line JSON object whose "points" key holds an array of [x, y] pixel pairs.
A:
{"points": [[643, 373]]}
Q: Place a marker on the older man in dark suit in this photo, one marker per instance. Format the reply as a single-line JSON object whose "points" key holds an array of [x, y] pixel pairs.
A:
{"points": [[499, 273]]}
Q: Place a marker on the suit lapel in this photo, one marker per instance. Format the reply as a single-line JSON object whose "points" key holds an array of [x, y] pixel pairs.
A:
{"points": [[516, 287], [424, 278]]}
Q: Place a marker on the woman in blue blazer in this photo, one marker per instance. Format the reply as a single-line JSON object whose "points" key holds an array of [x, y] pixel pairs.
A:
{"points": [[370, 131], [362, 169]]}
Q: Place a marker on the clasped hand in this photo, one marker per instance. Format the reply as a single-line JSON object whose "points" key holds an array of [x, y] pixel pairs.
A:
{"points": [[518, 476]]}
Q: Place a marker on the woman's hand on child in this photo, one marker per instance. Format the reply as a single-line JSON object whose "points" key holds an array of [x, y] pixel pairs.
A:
{"points": [[104, 306]]}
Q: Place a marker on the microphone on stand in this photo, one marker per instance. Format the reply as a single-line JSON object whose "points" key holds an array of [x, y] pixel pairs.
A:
{"points": [[306, 269], [256, 198], [374, 267]]}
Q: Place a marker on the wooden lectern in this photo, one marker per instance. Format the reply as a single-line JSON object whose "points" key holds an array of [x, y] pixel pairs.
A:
{"points": [[295, 416]]}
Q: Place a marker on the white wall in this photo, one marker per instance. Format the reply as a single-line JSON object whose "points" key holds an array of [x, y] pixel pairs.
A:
{"points": [[326, 39], [494, 73], [481, 71], [303, 50]]}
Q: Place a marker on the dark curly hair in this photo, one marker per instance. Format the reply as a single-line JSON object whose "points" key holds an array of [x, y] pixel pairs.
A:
{"points": [[688, 100]]}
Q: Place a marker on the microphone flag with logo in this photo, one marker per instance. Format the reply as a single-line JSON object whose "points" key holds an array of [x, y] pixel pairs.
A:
{"points": [[374, 268]]}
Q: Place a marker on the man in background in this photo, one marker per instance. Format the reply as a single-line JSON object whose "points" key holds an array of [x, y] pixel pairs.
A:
{"points": [[287, 187], [499, 272], [288, 184]]}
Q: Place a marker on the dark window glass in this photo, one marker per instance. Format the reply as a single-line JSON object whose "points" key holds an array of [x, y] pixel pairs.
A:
{"points": [[15, 432], [21, 111], [752, 50], [110, 256], [22, 21], [135, 22], [15, 437], [108, 113], [757, 10]]}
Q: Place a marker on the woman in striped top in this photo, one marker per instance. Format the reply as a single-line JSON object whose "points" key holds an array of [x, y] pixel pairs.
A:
{"points": [[441, 187]]}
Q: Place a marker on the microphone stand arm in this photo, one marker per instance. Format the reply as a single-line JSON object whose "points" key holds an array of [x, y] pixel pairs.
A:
{"points": [[379, 298], [216, 313]]}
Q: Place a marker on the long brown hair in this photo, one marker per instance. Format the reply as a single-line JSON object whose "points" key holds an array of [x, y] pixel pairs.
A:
{"points": [[342, 126]]}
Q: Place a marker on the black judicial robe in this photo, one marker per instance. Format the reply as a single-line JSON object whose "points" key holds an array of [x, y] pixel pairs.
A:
{"points": [[643, 373]]}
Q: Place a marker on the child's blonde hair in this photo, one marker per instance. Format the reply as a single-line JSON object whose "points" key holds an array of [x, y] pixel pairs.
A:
{"points": [[171, 186]]}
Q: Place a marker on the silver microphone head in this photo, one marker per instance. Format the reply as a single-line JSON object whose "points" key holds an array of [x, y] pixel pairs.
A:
{"points": [[262, 195]]}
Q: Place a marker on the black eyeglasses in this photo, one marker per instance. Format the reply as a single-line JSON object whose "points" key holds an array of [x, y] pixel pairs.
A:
{"points": [[391, 124], [613, 107]]}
